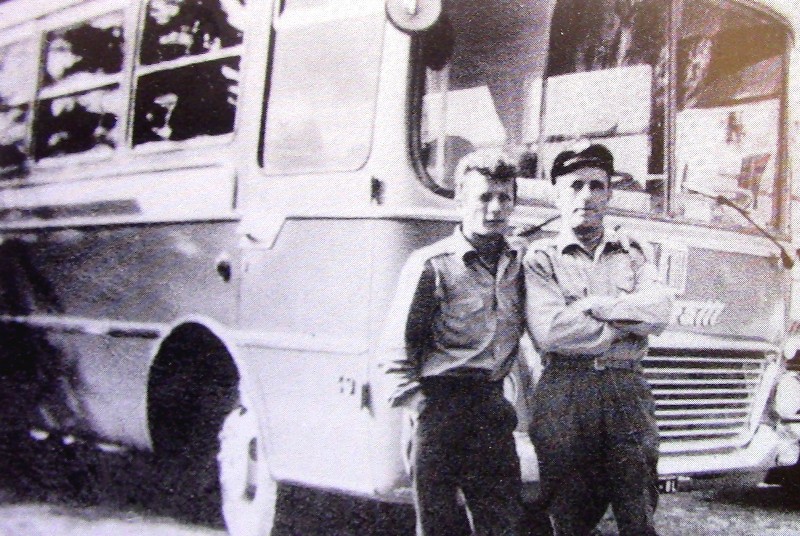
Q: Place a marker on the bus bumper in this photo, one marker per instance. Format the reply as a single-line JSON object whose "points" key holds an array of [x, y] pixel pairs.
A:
{"points": [[770, 447]]}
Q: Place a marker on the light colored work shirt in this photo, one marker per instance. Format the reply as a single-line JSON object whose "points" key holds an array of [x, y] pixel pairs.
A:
{"points": [[597, 305], [459, 320]]}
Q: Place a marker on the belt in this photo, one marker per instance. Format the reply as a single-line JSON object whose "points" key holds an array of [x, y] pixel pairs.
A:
{"points": [[450, 385], [593, 363]]}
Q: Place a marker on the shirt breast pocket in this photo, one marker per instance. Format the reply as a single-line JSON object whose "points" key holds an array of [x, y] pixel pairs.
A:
{"points": [[463, 323], [465, 306], [622, 273]]}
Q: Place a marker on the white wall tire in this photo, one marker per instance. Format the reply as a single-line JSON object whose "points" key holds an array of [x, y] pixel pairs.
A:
{"points": [[248, 491]]}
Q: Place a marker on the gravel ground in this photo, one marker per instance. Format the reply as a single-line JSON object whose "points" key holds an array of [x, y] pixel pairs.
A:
{"points": [[764, 511], [60, 520], [99, 497], [760, 511]]}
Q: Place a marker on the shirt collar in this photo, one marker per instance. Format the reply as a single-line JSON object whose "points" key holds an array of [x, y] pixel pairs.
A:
{"points": [[459, 245], [612, 240]]}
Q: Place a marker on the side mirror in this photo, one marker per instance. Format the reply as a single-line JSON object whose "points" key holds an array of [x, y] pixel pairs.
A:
{"points": [[413, 16]]}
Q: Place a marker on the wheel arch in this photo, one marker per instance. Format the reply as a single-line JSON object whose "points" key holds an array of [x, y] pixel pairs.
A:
{"points": [[194, 370]]}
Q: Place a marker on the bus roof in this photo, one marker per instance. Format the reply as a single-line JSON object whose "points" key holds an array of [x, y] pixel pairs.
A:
{"points": [[10, 14]]}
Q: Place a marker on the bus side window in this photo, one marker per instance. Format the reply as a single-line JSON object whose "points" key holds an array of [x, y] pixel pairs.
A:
{"points": [[17, 77], [80, 103], [176, 28], [323, 88], [84, 50], [179, 101]]}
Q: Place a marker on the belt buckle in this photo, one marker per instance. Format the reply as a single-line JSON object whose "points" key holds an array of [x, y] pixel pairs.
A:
{"points": [[600, 364]]}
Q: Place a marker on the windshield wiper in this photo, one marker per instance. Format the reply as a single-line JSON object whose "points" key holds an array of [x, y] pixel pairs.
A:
{"points": [[721, 199]]}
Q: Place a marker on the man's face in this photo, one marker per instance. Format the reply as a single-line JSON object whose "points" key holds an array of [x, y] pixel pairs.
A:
{"points": [[163, 11], [485, 204], [60, 58], [582, 197]]}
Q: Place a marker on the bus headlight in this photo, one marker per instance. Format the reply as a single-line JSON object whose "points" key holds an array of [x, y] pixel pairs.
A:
{"points": [[787, 396]]}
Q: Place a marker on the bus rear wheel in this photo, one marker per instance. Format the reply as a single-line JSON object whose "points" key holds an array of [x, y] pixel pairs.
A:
{"points": [[248, 491]]}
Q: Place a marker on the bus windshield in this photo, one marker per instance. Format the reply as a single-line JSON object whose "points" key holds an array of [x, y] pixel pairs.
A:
{"points": [[536, 77]]}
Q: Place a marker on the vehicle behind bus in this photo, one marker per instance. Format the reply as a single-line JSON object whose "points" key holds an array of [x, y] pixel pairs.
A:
{"points": [[205, 206]]}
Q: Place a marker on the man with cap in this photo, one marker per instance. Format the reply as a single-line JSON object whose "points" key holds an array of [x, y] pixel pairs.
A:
{"points": [[459, 313], [593, 297]]}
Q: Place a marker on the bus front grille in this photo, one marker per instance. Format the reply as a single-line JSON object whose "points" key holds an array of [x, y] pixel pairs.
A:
{"points": [[703, 398]]}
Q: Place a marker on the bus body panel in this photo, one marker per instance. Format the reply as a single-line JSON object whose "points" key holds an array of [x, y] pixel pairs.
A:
{"points": [[304, 326], [98, 300]]}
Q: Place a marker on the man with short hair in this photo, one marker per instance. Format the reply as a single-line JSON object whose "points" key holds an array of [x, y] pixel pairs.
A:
{"points": [[463, 321], [593, 297]]}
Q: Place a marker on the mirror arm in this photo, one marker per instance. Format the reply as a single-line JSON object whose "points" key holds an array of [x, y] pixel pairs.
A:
{"points": [[530, 231], [787, 261]]}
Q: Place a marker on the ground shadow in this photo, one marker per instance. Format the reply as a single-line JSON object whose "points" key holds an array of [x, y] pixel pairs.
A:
{"points": [[770, 498], [80, 475]]}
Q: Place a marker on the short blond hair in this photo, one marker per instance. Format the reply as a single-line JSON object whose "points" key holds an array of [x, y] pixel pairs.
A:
{"points": [[494, 164]]}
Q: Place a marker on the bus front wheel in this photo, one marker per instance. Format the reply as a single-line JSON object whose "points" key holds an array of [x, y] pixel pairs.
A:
{"points": [[248, 491]]}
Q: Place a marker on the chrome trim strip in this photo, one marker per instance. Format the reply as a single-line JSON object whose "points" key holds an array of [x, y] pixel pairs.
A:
{"points": [[725, 240], [276, 340], [661, 232], [700, 341], [117, 221], [89, 326], [300, 341]]}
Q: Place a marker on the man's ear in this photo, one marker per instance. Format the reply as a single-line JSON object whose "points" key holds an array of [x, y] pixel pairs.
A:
{"points": [[458, 190]]}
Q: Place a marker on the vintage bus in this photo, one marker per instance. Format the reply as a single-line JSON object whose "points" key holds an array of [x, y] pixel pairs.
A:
{"points": [[205, 206]]}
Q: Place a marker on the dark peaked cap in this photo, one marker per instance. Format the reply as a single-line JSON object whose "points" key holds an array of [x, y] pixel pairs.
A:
{"points": [[595, 155]]}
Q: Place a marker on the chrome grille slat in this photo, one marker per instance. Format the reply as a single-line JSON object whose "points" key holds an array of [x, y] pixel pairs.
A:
{"points": [[669, 423], [700, 359], [703, 400], [711, 402], [708, 381], [682, 445], [704, 411], [711, 432], [699, 391], [706, 371]]}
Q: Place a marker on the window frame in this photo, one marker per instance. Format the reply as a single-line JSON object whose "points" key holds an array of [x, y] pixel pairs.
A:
{"points": [[139, 70], [416, 95], [326, 11], [71, 18], [18, 35], [781, 216], [780, 219], [132, 16]]}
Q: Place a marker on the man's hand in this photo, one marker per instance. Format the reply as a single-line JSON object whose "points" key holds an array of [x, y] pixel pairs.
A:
{"points": [[410, 399], [594, 306]]}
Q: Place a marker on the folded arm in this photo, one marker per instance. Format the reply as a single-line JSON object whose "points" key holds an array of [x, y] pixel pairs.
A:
{"points": [[554, 324], [645, 311]]}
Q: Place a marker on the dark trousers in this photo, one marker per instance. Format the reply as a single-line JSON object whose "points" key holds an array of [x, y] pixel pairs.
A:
{"points": [[596, 438], [464, 441]]}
